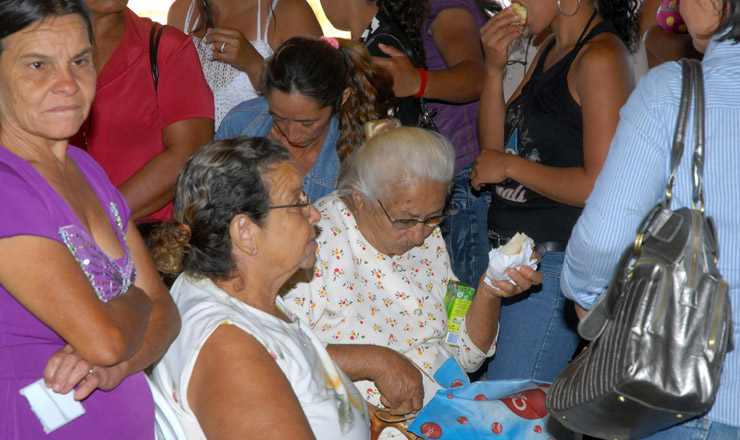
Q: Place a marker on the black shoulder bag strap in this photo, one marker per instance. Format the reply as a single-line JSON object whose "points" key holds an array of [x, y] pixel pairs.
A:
{"points": [[154, 36]]}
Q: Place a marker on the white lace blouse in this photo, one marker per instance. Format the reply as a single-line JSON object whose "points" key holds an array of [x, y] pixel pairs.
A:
{"points": [[230, 85]]}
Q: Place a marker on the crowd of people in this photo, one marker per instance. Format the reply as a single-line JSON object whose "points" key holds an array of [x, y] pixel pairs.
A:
{"points": [[308, 199]]}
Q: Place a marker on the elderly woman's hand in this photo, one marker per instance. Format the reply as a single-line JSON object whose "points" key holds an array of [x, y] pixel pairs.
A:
{"points": [[400, 385], [524, 277]]}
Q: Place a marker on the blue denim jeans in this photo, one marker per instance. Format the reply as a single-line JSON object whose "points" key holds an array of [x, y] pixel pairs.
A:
{"points": [[698, 429], [466, 230], [537, 330]]}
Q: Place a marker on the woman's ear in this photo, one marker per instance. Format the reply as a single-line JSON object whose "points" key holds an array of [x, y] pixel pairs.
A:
{"points": [[357, 200], [244, 234], [345, 95]]}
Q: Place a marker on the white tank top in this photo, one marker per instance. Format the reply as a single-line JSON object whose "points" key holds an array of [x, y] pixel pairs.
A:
{"points": [[333, 406], [230, 85]]}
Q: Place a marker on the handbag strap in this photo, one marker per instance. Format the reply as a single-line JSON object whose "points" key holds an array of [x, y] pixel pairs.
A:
{"points": [[155, 34], [591, 326], [697, 171], [692, 84]]}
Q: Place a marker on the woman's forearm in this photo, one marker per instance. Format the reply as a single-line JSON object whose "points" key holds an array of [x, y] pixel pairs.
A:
{"points": [[570, 186], [153, 185], [482, 319], [161, 329], [492, 111], [458, 85]]}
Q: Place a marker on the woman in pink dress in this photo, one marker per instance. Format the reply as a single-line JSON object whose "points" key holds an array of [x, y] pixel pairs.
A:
{"points": [[81, 304]]}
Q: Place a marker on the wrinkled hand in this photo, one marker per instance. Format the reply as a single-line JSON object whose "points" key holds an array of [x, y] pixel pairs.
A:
{"points": [[66, 369], [489, 167], [406, 77], [400, 385], [525, 277], [237, 50], [496, 36]]}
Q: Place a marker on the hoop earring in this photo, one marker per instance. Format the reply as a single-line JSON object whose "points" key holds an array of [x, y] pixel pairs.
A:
{"points": [[574, 12]]}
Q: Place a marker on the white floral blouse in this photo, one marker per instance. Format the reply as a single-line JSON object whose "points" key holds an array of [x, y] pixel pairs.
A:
{"points": [[358, 295]]}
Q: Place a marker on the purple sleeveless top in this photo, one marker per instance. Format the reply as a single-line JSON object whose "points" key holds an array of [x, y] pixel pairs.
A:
{"points": [[30, 206]]}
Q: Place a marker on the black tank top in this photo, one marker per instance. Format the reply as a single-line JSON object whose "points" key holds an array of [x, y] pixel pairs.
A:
{"points": [[543, 124]]}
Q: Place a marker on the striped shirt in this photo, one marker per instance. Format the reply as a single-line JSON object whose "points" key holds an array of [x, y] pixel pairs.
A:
{"points": [[634, 179]]}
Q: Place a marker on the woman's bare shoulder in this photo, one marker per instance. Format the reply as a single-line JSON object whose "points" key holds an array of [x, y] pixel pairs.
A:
{"points": [[177, 14], [292, 18], [605, 54]]}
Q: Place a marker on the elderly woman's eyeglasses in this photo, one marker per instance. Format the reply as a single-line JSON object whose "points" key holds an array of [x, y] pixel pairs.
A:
{"points": [[304, 201], [407, 223]]}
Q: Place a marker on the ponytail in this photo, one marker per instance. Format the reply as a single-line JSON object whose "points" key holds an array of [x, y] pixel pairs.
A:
{"points": [[168, 244], [371, 97]]}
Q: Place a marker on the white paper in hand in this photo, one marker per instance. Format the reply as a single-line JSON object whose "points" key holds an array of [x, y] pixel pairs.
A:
{"points": [[54, 410], [516, 253]]}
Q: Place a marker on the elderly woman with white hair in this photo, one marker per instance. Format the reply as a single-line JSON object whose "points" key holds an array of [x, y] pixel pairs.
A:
{"points": [[382, 270]]}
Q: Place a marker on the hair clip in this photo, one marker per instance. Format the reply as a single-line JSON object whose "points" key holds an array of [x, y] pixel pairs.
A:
{"points": [[373, 128], [184, 228], [333, 42]]}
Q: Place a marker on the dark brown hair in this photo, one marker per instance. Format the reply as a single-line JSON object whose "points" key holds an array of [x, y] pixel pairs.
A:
{"points": [[16, 15], [316, 69]]}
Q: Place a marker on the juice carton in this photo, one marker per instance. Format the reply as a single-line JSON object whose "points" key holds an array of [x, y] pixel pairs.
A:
{"points": [[457, 301]]}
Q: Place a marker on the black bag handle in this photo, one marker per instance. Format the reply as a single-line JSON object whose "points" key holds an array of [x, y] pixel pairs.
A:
{"points": [[154, 36]]}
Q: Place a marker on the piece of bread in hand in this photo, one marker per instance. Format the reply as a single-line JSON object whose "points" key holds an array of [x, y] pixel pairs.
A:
{"points": [[514, 246], [521, 11]]}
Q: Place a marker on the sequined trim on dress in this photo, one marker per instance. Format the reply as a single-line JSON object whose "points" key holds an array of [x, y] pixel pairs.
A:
{"points": [[107, 277]]}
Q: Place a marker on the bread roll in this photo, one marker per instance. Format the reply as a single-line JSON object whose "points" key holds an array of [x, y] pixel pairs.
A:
{"points": [[522, 12], [514, 246]]}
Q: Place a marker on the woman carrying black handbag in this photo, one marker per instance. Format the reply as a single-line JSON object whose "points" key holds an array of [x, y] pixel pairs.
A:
{"points": [[634, 177]]}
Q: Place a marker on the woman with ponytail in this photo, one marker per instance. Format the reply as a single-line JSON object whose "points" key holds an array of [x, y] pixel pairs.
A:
{"points": [[556, 127], [317, 94]]}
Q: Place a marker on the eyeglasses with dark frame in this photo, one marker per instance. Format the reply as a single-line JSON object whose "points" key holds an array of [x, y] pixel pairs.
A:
{"points": [[304, 201], [408, 223]]}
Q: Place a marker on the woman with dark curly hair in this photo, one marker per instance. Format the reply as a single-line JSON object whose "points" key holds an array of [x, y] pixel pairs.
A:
{"points": [[243, 366], [385, 22], [317, 94], [556, 128]]}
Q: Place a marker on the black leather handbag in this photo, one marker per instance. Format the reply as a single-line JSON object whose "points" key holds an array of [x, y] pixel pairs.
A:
{"points": [[661, 330]]}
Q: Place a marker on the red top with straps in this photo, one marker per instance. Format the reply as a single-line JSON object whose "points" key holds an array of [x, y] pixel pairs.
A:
{"points": [[127, 117]]}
